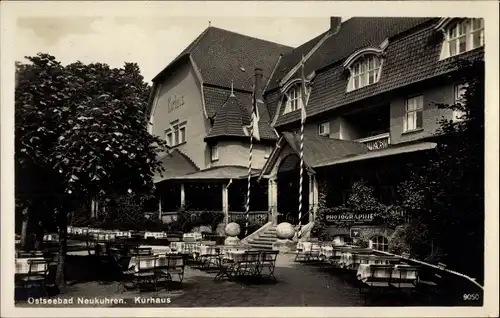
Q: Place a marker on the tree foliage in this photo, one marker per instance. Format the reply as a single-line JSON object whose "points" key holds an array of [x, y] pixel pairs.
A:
{"points": [[445, 197], [80, 134]]}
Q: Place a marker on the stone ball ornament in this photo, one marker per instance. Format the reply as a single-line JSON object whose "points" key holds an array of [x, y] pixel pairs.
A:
{"points": [[232, 229], [285, 231]]}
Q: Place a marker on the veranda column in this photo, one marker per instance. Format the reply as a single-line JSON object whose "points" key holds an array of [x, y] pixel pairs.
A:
{"points": [[311, 197], [159, 208], [225, 205], [183, 195], [315, 197], [273, 199]]}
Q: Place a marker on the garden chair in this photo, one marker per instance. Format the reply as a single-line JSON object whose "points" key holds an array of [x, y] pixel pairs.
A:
{"points": [[169, 266], [226, 267], [126, 273], [248, 265], [145, 272], [141, 251], [37, 275], [380, 277], [267, 261], [407, 278]]}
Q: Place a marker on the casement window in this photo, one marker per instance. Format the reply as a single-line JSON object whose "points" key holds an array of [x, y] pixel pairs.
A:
{"points": [[324, 129], [214, 152], [459, 98], [462, 36], [176, 134], [293, 99], [379, 243], [414, 111], [365, 71]]}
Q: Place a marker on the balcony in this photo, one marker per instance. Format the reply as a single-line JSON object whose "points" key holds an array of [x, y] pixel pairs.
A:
{"points": [[377, 142]]}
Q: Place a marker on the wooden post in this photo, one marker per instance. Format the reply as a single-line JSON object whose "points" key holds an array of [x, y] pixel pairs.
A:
{"points": [[183, 195]]}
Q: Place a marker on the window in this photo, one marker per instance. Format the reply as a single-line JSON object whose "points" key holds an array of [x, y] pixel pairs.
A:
{"points": [[214, 152], [463, 36], [176, 134], [364, 72], [293, 99], [459, 98], [324, 129], [414, 110], [380, 243]]}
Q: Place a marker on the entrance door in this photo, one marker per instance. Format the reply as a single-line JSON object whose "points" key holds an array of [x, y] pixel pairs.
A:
{"points": [[288, 197]]}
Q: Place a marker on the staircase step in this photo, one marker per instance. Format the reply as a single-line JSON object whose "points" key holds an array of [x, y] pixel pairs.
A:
{"points": [[264, 240], [261, 246], [267, 235]]}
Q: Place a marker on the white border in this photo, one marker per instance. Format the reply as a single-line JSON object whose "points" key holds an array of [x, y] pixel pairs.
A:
{"points": [[486, 9]]}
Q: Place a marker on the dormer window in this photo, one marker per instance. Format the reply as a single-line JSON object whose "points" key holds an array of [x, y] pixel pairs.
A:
{"points": [[462, 36], [293, 98], [365, 71]]}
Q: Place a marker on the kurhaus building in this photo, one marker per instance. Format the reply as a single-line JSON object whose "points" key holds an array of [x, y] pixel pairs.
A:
{"points": [[373, 83]]}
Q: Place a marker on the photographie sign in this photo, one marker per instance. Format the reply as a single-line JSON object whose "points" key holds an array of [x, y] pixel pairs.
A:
{"points": [[349, 217]]}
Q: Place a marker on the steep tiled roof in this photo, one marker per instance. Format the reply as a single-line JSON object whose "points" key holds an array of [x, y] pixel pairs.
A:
{"points": [[176, 164], [354, 34], [291, 59], [408, 60], [215, 103], [318, 149], [223, 172], [222, 56], [229, 119]]}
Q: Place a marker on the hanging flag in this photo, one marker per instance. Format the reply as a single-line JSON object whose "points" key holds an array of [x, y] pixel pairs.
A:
{"points": [[303, 92], [255, 116]]}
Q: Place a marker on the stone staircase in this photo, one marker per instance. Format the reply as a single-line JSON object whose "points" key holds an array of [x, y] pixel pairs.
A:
{"points": [[264, 239]]}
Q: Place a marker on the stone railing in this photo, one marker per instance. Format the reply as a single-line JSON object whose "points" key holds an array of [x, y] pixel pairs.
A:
{"points": [[254, 216], [377, 142]]}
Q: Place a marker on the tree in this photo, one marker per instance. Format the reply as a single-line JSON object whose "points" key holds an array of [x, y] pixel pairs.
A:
{"points": [[82, 128], [445, 197]]}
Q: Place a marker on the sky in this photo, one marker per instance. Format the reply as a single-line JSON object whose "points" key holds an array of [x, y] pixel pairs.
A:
{"points": [[152, 42]]}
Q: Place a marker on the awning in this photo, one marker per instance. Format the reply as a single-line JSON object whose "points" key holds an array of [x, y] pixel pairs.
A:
{"points": [[218, 173], [391, 151]]}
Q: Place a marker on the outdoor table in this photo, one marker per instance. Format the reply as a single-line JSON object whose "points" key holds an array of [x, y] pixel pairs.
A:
{"points": [[385, 273], [192, 237], [156, 235], [162, 261], [376, 259], [23, 267], [158, 249]]}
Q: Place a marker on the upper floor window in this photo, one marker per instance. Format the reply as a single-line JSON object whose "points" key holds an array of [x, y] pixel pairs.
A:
{"points": [[324, 129], [380, 243], [176, 134], [463, 36], [365, 71], [214, 152], [414, 110], [459, 98], [293, 98]]}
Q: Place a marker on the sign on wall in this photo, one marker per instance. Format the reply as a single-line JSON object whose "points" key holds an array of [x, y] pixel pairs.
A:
{"points": [[349, 217], [355, 233], [175, 102]]}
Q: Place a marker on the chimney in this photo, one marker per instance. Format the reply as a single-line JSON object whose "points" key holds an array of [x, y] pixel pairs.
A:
{"points": [[335, 23], [259, 85]]}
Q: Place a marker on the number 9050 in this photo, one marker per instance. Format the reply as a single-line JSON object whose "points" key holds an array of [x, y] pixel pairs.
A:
{"points": [[471, 296]]}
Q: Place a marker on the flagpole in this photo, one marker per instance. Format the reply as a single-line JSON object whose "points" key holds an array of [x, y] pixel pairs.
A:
{"points": [[247, 215], [301, 167]]}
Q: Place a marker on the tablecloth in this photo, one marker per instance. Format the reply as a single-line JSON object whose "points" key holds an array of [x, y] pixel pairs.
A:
{"points": [[156, 235], [162, 260], [365, 272], [23, 267]]}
